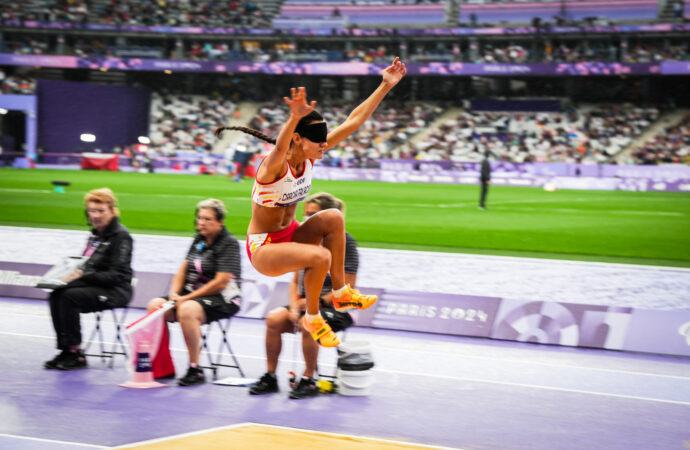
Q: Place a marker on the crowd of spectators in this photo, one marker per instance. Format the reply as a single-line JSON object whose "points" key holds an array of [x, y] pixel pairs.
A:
{"points": [[589, 135], [15, 84], [391, 125], [181, 13], [182, 124], [65, 11], [245, 13], [670, 146]]}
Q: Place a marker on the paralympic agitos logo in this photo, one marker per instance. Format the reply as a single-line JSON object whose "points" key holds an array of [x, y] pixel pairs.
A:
{"points": [[684, 330]]}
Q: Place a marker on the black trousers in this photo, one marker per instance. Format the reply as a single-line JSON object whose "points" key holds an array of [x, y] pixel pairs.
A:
{"points": [[67, 303], [482, 196]]}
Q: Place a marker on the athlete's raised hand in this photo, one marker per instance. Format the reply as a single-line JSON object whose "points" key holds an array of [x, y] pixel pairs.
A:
{"points": [[298, 103], [394, 73]]}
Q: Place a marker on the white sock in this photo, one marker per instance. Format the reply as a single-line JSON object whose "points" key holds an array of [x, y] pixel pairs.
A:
{"points": [[311, 318], [339, 292]]}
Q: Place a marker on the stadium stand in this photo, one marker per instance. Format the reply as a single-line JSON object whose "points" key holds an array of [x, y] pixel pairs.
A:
{"points": [[186, 123], [368, 14], [390, 126], [15, 84], [179, 13], [592, 133], [670, 146]]}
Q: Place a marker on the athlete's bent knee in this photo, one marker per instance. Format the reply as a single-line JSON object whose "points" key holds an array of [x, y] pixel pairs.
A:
{"points": [[321, 259], [334, 218]]}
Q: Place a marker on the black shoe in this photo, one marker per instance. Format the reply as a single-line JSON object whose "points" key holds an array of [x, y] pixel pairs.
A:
{"points": [[72, 361], [305, 388], [194, 376], [267, 384], [52, 364]]}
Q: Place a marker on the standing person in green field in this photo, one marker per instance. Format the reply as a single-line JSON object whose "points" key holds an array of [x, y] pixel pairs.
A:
{"points": [[484, 180], [276, 242]]}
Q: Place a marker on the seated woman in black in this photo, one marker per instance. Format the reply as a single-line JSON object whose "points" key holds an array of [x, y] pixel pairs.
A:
{"points": [[104, 281], [206, 287]]}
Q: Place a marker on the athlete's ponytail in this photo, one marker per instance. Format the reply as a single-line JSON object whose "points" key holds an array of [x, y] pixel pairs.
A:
{"points": [[256, 133]]}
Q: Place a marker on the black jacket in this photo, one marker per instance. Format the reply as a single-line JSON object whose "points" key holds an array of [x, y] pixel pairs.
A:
{"points": [[110, 266], [485, 170]]}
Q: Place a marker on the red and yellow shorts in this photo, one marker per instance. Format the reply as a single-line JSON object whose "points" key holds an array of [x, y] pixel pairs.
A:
{"points": [[255, 241]]}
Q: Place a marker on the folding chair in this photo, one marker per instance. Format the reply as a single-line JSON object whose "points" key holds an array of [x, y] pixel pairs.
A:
{"points": [[222, 348], [118, 345]]}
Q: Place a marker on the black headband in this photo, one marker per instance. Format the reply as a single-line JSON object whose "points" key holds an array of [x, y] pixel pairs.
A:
{"points": [[316, 132]]}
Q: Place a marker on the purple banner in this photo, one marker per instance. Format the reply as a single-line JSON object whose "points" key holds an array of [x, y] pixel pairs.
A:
{"points": [[675, 67], [462, 315], [643, 28], [331, 68], [567, 324], [652, 331]]}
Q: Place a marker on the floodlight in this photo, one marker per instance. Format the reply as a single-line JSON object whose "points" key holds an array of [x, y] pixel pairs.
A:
{"points": [[87, 137]]}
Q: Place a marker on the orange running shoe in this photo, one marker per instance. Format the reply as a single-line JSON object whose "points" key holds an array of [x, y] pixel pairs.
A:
{"points": [[351, 298], [322, 332]]}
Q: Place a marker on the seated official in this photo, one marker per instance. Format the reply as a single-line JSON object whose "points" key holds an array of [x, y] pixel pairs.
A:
{"points": [[206, 287], [103, 282], [286, 319]]}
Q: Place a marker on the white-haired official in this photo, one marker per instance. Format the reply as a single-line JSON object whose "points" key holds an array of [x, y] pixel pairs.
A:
{"points": [[206, 286]]}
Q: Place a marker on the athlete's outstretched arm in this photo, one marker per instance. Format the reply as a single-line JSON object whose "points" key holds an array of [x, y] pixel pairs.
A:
{"points": [[391, 76], [274, 163]]}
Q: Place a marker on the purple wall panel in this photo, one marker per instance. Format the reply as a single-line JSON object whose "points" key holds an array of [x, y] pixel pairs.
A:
{"points": [[18, 279], [117, 115], [568, 324], [463, 315], [653, 331], [597, 326]]}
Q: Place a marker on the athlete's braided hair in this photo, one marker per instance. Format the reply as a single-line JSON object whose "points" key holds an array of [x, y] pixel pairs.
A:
{"points": [[306, 120], [256, 133]]}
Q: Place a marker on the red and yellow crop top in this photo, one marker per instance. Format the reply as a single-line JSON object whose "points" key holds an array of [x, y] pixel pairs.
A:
{"points": [[286, 190]]}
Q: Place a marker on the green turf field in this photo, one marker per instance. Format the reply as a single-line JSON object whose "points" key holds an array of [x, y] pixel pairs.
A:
{"points": [[629, 227]]}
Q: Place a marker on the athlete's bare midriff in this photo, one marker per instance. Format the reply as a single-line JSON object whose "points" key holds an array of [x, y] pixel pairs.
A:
{"points": [[270, 220]]}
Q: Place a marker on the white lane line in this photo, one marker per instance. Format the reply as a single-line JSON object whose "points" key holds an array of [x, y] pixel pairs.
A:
{"points": [[596, 211], [121, 194], [40, 191], [456, 378], [52, 441], [386, 350], [537, 386]]}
